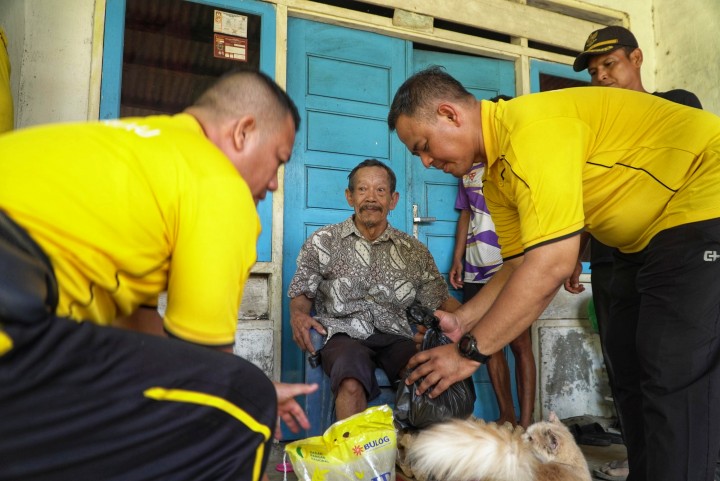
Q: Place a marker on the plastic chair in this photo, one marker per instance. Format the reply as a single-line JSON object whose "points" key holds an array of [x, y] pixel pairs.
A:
{"points": [[320, 405]]}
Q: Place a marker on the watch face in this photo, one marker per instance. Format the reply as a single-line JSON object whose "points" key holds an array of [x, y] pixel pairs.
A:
{"points": [[467, 344]]}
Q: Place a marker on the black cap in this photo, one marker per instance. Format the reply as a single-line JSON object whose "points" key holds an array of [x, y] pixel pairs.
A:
{"points": [[604, 41]]}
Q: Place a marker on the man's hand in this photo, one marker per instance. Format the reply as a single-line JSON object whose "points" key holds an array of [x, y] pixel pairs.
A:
{"points": [[450, 325], [456, 274], [288, 408], [301, 322], [441, 367], [572, 284]]}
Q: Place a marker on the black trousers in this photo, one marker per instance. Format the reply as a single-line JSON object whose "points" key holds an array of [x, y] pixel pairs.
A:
{"points": [[663, 343], [85, 402]]}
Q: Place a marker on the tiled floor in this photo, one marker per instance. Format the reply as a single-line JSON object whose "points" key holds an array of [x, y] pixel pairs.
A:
{"points": [[596, 456]]}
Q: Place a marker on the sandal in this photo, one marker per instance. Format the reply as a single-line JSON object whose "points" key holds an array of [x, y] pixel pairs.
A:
{"points": [[596, 429], [612, 471], [284, 468], [588, 438]]}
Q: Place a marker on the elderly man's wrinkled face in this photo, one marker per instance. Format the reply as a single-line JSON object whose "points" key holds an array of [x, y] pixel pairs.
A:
{"points": [[371, 197]]}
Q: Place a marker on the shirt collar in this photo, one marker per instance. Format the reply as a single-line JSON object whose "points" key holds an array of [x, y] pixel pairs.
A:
{"points": [[488, 113]]}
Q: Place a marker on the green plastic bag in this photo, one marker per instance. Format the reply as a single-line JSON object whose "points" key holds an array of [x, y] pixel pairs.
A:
{"points": [[592, 316]]}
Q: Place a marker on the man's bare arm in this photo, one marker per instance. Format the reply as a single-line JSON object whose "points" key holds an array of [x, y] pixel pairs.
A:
{"points": [[461, 233], [496, 317], [144, 319]]}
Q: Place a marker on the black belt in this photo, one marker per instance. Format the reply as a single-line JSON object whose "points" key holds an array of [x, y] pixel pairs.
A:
{"points": [[28, 287]]}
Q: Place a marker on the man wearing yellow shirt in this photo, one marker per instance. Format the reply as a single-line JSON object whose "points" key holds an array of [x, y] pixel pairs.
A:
{"points": [[96, 220], [639, 173]]}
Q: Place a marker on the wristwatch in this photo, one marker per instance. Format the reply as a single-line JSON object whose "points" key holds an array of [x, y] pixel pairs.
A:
{"points": [[468, 348]]}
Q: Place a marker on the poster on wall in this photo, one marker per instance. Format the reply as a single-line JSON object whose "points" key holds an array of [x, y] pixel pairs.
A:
{"points": [[230, 38], [230, 47]]}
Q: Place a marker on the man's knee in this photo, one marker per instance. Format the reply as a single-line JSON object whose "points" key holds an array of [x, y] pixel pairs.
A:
{"points": [[351, 387]]}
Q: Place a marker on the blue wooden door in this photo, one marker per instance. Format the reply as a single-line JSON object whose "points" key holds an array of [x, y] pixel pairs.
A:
{"points": [[433, 191], [343, 81]]}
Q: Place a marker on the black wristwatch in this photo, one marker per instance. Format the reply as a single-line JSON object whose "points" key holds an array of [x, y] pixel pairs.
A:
{"points": [[468, 348]]}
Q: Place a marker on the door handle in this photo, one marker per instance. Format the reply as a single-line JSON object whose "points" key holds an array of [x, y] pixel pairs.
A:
{"points": [[420, 220]]}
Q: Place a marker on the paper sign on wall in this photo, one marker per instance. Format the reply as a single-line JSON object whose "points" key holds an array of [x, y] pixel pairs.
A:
{"points": [[230, 24]]}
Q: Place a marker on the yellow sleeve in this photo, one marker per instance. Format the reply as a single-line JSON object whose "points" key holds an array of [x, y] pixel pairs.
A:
{"points": [[215, 249], [536, 195], [6, 101]]}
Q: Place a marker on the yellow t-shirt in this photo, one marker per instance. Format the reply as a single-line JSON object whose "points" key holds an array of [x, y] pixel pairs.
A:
{"points": [[127, 209], [622, 164], [6, 102]]}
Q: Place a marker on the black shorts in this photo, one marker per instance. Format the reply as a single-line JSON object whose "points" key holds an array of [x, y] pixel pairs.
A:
{"points": [[81, 402], [344, 357]]}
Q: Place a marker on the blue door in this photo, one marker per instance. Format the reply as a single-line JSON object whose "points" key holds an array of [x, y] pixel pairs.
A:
{"points": [[433, 191], [343, 81]]}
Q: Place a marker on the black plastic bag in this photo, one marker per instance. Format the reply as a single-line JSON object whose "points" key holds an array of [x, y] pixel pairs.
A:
{"points": [[458, 401]]}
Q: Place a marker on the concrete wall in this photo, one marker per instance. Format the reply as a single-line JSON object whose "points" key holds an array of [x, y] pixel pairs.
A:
{"points": [[679, 42], [686, 42], [50, 52]]}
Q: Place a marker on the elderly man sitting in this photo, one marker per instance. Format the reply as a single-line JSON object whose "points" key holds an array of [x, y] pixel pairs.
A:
{"points": [[360, 275]]}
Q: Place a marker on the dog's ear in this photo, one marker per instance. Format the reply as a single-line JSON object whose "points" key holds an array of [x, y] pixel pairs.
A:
{"points": [[553, 417]]}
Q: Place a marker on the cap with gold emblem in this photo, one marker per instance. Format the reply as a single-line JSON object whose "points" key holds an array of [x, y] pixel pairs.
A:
{"points": [[604, 41]]}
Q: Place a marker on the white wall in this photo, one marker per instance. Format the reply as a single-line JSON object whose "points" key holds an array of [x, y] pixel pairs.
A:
{"points": [[688, 48], [679, 41], [50, 52]]}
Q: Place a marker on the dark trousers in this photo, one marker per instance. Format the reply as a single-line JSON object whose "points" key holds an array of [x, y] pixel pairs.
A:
{"points": [[663, 344], [84, 402]]}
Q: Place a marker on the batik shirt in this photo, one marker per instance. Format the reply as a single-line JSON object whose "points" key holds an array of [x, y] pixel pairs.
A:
{"points": [[482, 250], [360, 287]]}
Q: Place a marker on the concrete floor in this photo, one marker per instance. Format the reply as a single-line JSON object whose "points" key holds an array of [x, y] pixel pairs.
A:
{"points": [[596, 456]]}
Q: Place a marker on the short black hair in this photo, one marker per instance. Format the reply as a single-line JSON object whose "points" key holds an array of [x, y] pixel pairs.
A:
{"points": [[243, 90], [417, 92], [371, 163], [501, 97]]}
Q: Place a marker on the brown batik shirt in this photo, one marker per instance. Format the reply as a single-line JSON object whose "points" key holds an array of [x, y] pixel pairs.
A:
{"points": [[360, 287]]}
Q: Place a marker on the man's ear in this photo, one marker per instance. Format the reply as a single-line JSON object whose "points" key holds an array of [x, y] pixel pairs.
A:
{"points": [[394, 199], [449, 112], [240, 130], [348, 197], [636, 57]]}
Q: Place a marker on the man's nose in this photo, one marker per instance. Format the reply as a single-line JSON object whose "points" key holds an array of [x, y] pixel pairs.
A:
{"points": [[273, 184], [426, 160]]}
